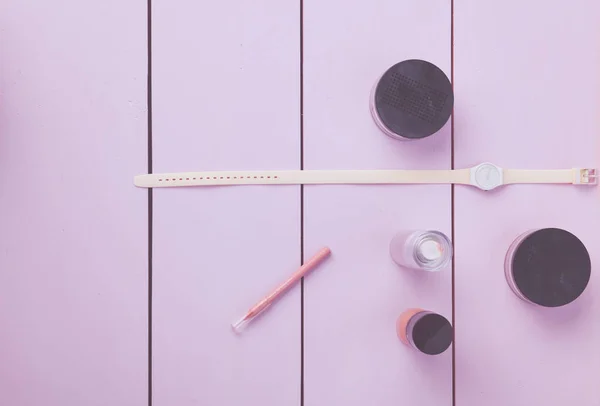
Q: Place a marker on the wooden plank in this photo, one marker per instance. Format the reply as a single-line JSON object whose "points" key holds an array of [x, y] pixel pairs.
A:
{"points": [[226, 96], [73, 262], [351, 354], [527, 97]]}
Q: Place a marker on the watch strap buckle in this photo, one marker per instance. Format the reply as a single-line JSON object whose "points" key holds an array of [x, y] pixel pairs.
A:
{"points": [[585, 176]]}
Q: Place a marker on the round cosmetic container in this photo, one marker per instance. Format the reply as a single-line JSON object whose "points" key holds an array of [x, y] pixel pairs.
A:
{"points": [[412, 100], [426, 250], [425, 331], [549, 267]]}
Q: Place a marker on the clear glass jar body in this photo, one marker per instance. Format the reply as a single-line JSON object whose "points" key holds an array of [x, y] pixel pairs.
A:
{"points": [[426, 250]]}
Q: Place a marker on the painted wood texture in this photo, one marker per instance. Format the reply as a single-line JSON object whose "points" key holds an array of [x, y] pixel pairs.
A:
{"points": [[226, 96], [526, 80], [352, 355], [73, 234]]}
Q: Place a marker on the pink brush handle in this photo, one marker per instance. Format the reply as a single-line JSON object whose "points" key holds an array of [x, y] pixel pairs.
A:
{"points": [[295, 277]]}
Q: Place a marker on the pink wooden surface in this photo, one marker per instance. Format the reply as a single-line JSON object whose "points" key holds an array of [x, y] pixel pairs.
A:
{"points": [[226, 96], [352, 355], [226, 91], [73, 248], [525, 98]]}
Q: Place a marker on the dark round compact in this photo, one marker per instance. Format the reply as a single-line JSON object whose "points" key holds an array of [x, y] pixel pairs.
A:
{"points": [[549, 267], [412, 100], [431, 334]]}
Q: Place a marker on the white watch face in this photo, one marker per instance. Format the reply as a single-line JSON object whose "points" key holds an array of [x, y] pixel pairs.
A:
{"points": [[488, 176]]}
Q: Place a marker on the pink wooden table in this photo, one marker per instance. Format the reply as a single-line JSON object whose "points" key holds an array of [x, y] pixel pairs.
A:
{"points": [[111, 295]]}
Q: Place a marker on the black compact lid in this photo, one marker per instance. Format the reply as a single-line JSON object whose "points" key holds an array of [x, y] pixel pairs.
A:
{"points": [[414, 99], [551, 267], [432, 334]]}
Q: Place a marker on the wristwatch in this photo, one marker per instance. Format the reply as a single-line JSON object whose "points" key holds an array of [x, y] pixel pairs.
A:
{"points": [[485, 176]]}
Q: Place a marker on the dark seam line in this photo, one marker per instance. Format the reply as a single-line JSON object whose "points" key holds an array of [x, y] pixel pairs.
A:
{"points": [[452, 208], [150, 197], [301, 201]]}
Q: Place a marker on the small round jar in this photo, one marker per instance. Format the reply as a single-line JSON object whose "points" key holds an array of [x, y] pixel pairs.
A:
{"points": [[412, 100], [427, 332], [425, 250], [549, 267]]}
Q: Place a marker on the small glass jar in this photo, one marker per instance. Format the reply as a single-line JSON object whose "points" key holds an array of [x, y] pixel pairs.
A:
{"points": [[426, 250], [549, 267], [425, 331], [412, 100]]}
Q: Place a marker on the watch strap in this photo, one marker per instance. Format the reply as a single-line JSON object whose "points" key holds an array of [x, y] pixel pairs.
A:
{"points": [[573, 176], [485, 176], [306, 177]]}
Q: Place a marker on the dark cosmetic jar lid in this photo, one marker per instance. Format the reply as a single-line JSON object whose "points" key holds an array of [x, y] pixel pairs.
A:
{"points": [[432, 334], [551, 267], [413, 99]]}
